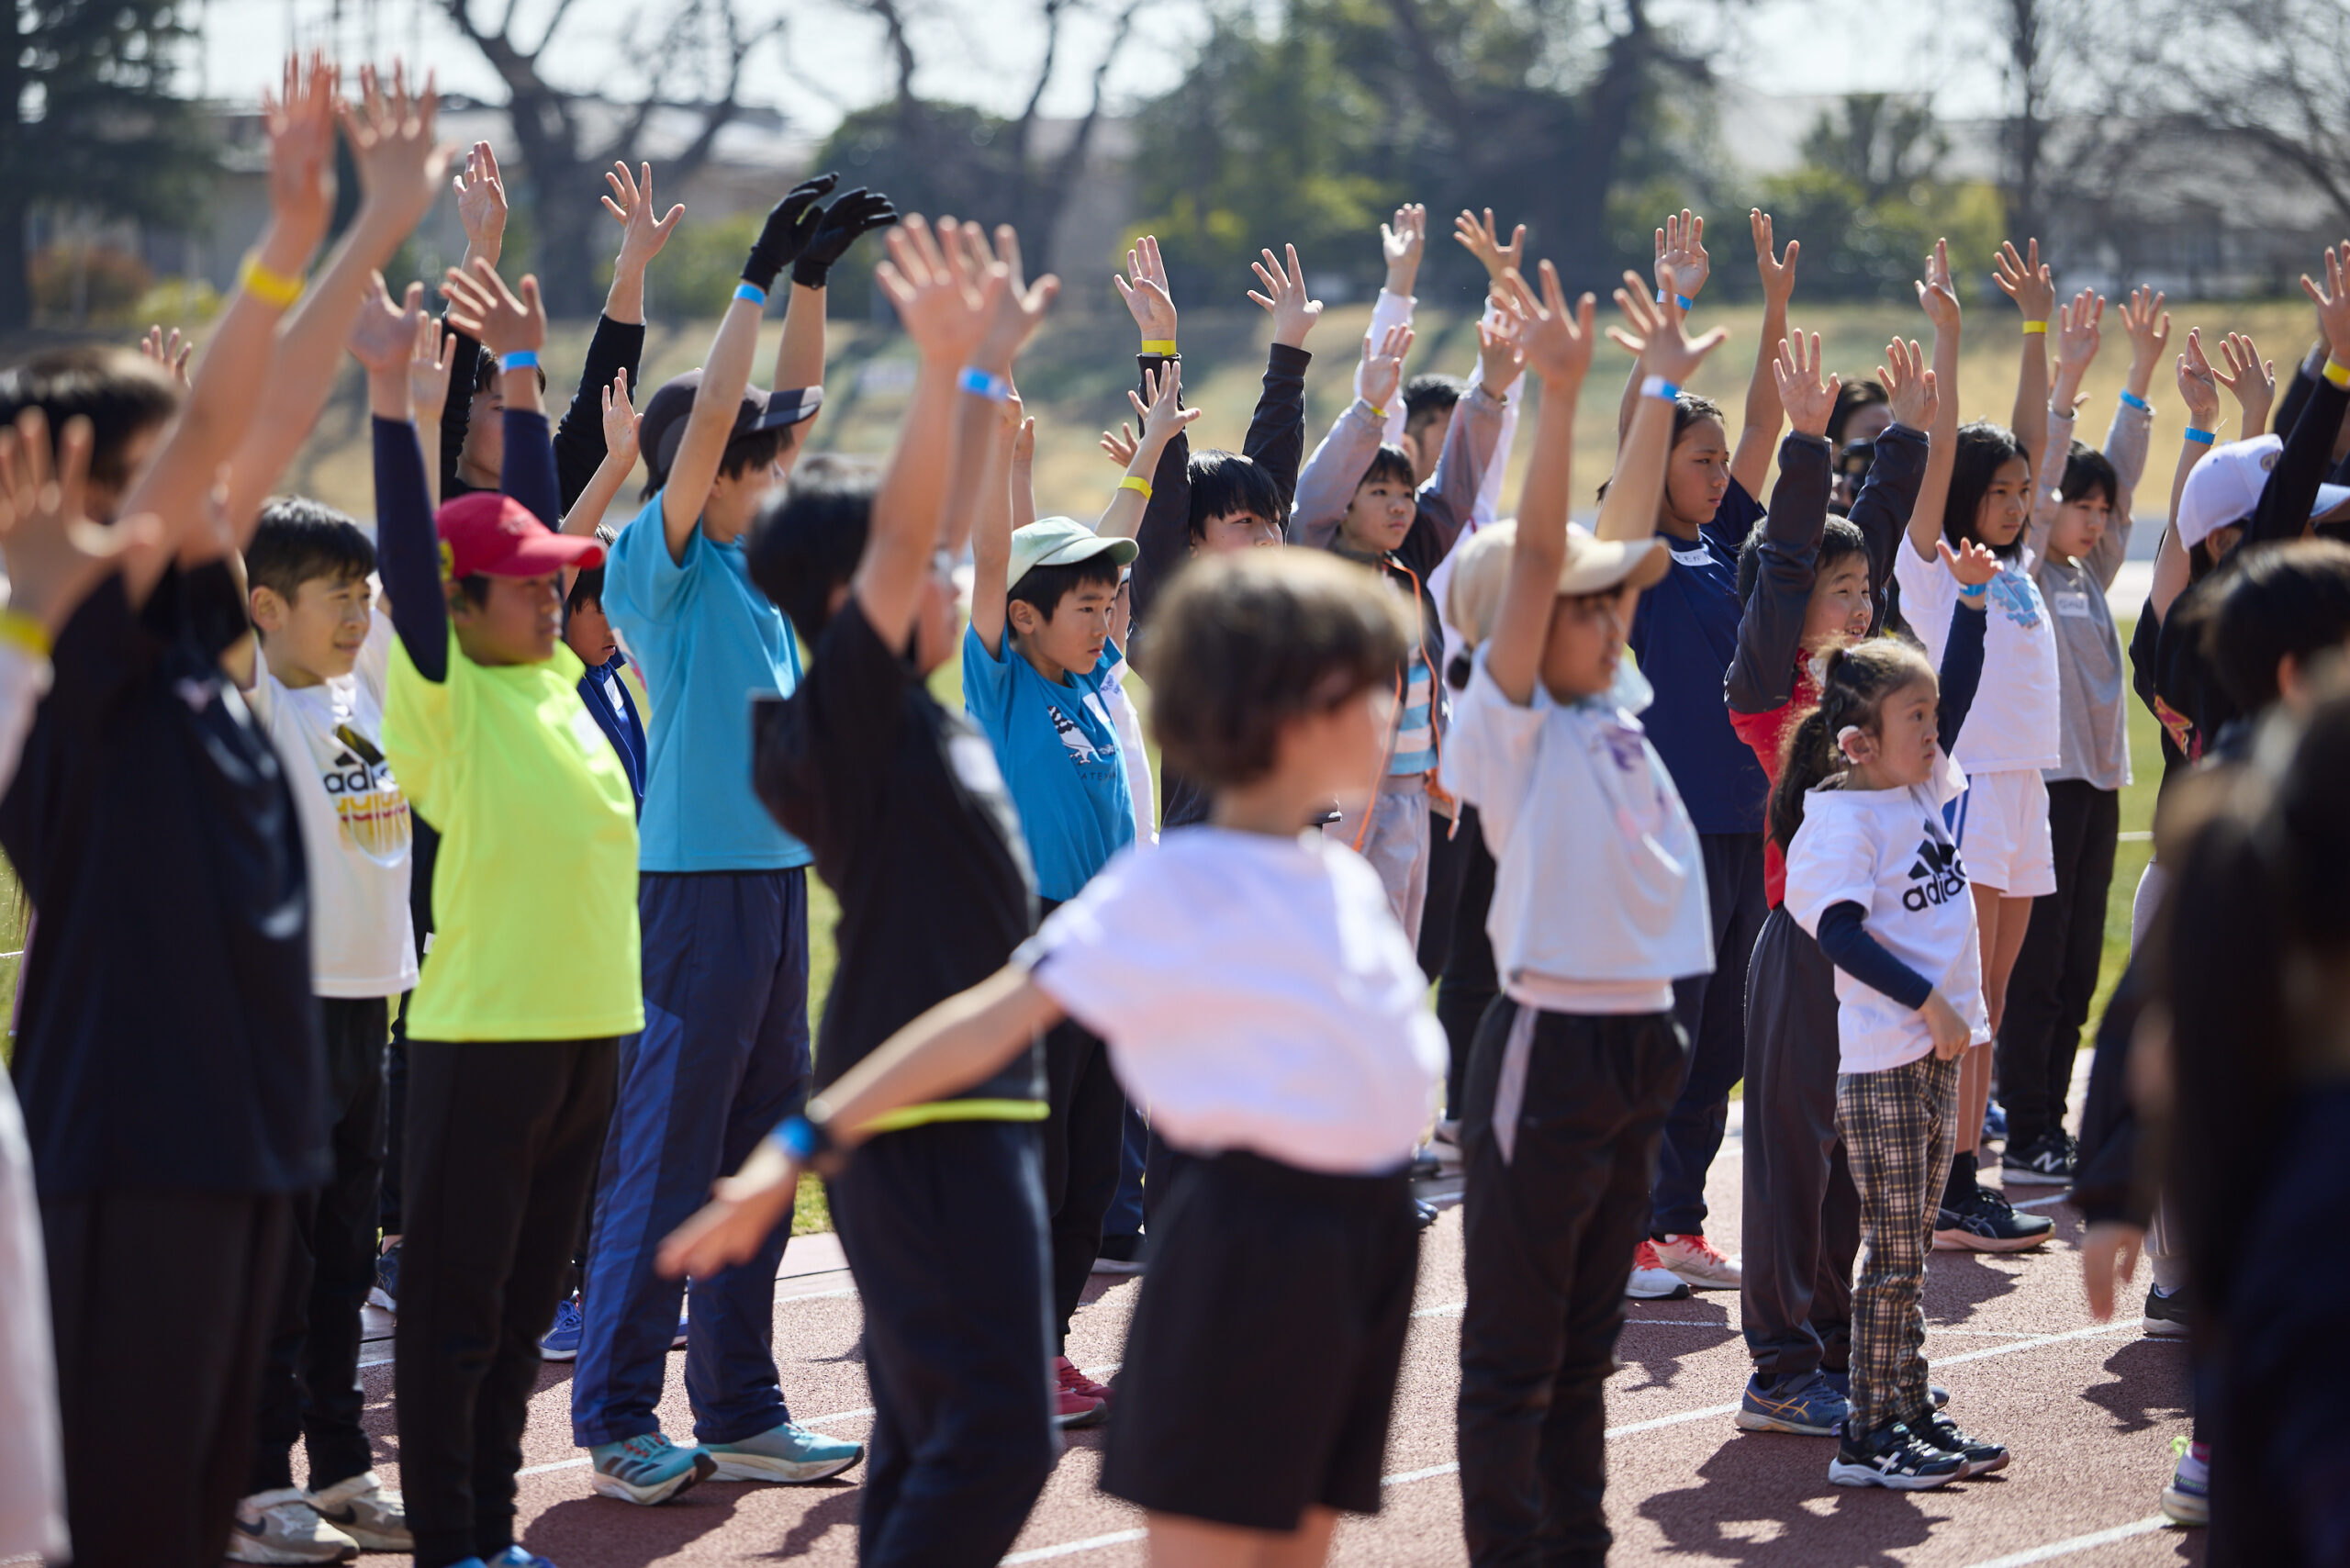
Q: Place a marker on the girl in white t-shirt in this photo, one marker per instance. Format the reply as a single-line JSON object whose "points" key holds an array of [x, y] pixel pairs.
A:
{"points": [[1978, 487], [1873, 874]]}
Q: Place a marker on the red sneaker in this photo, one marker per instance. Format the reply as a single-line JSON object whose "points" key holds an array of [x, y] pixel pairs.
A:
{"points": [[1079, 1401]]}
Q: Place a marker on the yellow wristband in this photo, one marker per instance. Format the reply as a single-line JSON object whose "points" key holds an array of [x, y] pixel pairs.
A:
{"points": [[2337, 371], [2035, 328], [269, 287], [1135, 482], [1159, 345], [26, 633]]}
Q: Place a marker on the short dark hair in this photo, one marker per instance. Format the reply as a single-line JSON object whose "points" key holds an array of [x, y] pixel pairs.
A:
{"points": [[119, 391], [1046, 587], [587, 587], [1223, 483], [754, 449], [2087, 469], [1425, 397], [1981, 451], [300, 540], [2286, 600], [1850, 399], [1245, 642], [1839, 541], [1390, 462], [1688, 409], [807, 540]]}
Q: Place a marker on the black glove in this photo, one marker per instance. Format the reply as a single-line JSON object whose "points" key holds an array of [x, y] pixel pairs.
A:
{"points": [[790, 224], [859, 211]]}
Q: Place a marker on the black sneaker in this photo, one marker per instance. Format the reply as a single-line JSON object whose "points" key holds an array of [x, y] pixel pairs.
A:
{"points": [[1893, 1456], [1981, 1458], [2047, 1160], [387, 1291], [1987, 1223], [2165, 1315]]}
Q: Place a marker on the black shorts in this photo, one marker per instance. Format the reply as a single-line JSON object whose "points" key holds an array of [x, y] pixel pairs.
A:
{"points": [[1265, 1276]]}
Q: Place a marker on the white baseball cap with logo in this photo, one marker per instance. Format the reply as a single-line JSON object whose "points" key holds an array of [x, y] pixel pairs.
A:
{"points": [[2224, 489], [1061, 542]]}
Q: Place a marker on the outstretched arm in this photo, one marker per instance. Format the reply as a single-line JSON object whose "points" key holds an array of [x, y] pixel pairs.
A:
{"points": [[1682, 267], [1881, 511], [2034, 289], [1276, 438], [1162, 416], [991, 530], [1770, 629], [1940, 302], [1558, 345], [2291, 491], [2077, 324], [1668, 358], [1759, 430], [1342, 457]]}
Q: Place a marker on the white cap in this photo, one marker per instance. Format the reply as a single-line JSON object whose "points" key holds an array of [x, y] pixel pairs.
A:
{"points": [[2224, 489]]}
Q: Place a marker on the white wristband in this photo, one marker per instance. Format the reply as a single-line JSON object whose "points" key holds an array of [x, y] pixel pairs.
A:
{"points": [[1657, 386]]}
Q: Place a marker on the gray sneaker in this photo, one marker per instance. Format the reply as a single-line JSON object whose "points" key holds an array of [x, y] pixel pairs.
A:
{"points": [[282, 1526], [362, 1509]]}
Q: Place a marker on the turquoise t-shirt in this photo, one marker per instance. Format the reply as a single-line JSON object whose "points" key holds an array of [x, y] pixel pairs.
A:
{"points": [[1059, 754], [709, 642]]}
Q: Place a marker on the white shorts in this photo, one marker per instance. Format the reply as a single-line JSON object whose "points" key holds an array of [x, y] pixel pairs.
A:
{"points": [[2002, 831]]}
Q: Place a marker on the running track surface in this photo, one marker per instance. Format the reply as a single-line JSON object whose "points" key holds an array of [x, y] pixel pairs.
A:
{"points": [[2088, 1410]]}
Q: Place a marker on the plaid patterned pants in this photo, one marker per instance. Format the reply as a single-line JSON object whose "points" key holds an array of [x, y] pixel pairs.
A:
{"points": [[1899, 1134]]}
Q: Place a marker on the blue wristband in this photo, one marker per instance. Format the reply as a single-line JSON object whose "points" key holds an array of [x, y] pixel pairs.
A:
{"points": [[2131, 399], [752, 292], [520, 359], [1683, 300], [979, 383], [1657, 386], [801, 1138], [2205, 437]]}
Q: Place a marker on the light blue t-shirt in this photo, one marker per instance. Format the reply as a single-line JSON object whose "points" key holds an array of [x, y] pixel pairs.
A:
{"points": [[707, 642], [1059, 754]]}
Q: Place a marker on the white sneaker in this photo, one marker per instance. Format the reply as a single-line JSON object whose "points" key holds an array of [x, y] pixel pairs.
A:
{"points": [[1699, 1263], [363, 1510], [1650, 1280], [282, 1526]]}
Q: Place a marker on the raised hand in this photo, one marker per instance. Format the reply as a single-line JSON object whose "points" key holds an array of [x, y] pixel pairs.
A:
{"points": [[1160, 407], [1908, 385], [1401, 243], [299, 121], [1936, 297], [55, 555], [1482, 240], [1654, 332], [1121, 446], [1682, 263], [945, 312], [1144, 288], [2077, 329], [2024, 280], [791, 222], [1501, 358], [2197, 387], [2332, 301], [858, 213], [483, 309], [481, 203], [392, 143], [2148, 325], [1382, 368], [1778, 273], [1016, 313], [1973, 564], [1293, 309], [620, 420], [1557, 340], [429, 365], [631, 205], [170, 352], [383, 339], [1807, 401], [2250, 377]]}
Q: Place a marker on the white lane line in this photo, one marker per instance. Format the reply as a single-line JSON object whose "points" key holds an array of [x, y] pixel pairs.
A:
{"points": [[2078, 1543], [2035, 1203], [580, 1461], [1071, 1548]]}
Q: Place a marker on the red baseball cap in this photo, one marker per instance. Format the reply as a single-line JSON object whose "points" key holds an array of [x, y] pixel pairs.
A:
{"points": [[495, 535]]}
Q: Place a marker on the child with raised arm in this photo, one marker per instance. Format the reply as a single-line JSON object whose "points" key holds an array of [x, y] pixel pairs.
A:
{"points": [[1874, 875], [1809, 582], [1598, 906], [1977, 488], [723, 897], [1682, 636], [2078, 535], [1256, 991]]}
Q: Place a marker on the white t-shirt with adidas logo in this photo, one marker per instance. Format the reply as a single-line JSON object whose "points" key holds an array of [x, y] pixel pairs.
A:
{"points": [[1890, 852], [356, 828]]}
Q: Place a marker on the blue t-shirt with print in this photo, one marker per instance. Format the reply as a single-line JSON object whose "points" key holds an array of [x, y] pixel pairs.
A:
{"points": [[1684, 633], [1059, 754], [707, 642]]}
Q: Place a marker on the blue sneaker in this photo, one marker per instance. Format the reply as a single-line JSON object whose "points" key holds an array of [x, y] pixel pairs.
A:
{"points": [[517, 1557], [1995, 1121], [1808, 1409], [648, 1469], [386, 1292], [789, 1453], [1843, 1383], [561, 1343]]}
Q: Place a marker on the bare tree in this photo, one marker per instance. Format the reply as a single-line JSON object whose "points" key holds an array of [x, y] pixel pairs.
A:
{"points": [[2266, 73], [566, 144]]}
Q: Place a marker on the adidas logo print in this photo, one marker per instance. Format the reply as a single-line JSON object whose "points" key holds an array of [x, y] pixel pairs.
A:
{"points": [[1935, 878]]}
